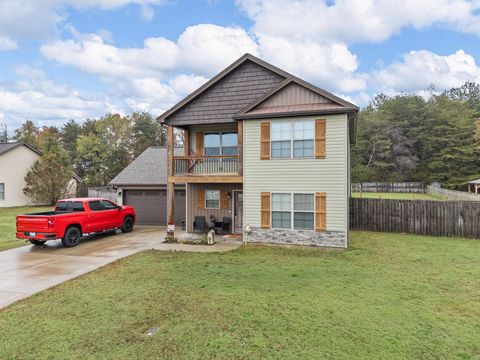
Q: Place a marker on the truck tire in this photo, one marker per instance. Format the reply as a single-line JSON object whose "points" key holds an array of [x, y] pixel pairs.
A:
{"points": [[72, 237], [37, 242], [127, 225]]}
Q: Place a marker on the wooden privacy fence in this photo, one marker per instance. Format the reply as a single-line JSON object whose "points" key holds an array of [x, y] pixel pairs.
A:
{"points": [[103, 192], [398, 187], [421, 217], [452, 194]]}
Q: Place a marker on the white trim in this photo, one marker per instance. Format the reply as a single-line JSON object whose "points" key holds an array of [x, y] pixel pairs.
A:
{"points": [[219, 200], [292, 210], [233, 210], [292, 138], [221, 140], [187, 209]]}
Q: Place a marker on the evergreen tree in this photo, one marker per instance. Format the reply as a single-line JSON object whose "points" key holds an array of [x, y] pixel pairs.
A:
{"points": [[146, 132], [47, 181], [70, 133]]}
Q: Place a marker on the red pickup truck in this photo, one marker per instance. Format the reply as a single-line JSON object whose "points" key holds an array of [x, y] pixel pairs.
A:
{"points": [[74, 218]]}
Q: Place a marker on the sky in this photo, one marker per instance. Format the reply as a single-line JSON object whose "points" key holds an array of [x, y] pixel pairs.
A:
{"points": [[79, 59]]}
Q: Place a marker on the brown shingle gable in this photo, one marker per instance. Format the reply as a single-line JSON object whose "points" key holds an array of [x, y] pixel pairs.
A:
{"points": [[220, 101]]}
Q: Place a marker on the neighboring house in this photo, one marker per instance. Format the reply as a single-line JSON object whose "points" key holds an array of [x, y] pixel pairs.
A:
{"points": [[268, 150], [143, 185], [16, 159]]}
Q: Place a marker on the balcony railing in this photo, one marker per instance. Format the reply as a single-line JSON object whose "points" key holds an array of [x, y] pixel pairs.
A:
{"points": [[205, 165]]}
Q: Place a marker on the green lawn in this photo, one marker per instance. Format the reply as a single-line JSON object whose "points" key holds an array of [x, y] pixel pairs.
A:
{"points": [[401, 196], [7, 225], [387, 297]]}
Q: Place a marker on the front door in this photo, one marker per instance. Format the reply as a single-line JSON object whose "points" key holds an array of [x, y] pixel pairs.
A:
{"points": [[238, 211]]}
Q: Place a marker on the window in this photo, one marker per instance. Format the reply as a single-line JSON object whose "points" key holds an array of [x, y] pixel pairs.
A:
{"points": [[229, 144], [303, 139], [107, 205], [2, 191], [100, 205], [302, 217], [70, 206], [212, 144], [303, 211], [221, 144], [212, 199], [292, 139], [281, 211], [281, 139], [95, 205]]}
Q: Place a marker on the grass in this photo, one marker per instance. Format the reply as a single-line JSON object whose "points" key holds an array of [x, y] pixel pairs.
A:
{"points": [[390, 296], [400, 196], [7, 225]]}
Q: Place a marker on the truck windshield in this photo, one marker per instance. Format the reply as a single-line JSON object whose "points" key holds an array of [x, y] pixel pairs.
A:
{"points": [[69, 206]]}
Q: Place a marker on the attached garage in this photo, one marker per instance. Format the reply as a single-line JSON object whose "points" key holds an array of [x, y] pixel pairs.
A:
{"points": [[151, 206], [143, 184]]}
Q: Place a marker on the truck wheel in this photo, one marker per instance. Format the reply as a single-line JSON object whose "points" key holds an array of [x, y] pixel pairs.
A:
{"points": [[37, 242], [72, 237], [127, 224]]}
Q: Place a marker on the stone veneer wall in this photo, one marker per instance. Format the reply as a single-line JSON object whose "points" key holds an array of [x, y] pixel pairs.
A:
{"points": [[298, 237]]}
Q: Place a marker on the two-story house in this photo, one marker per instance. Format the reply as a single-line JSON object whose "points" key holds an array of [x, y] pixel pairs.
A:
{"points": [[267, 150]]}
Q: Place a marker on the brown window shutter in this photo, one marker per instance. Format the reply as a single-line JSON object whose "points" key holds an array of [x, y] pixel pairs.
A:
{"points": [[199, 143], [265, 210], [320, 138], [320, 211], [201, 199], [265, 140], [224, 199]]}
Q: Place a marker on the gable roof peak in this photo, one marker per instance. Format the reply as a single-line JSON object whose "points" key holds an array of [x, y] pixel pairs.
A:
{"points": [[287, 79]]}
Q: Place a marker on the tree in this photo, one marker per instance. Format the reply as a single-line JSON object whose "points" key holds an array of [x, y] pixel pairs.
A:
{"points": [[91, 160], [146, 132], [411, 138], [48, 179], [70, 133], [3, 132], [28, 134], [45, 133], [115, 132]]}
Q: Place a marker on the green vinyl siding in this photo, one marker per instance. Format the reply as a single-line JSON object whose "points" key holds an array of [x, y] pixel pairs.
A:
{"points": [[307, 175]]}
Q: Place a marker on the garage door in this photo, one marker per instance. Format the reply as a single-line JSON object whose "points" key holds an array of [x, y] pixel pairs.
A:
{"points": [[151, 206]]}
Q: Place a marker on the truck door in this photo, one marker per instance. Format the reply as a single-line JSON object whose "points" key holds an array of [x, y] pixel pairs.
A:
{"points": [[112, 219]]}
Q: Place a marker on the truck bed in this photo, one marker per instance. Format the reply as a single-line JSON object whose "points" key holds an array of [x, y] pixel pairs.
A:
{"points": [[48, 213]]}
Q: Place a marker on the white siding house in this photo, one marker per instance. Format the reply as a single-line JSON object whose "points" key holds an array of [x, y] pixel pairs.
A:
{"points": [[15, 161], [299, 175]]}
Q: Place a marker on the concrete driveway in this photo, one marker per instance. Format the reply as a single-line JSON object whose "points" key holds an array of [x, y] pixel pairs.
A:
{"points": [[29, 269]]}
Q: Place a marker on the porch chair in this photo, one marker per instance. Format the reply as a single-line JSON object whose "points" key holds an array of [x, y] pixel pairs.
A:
{"points": [[199, 224], [226, 225]]}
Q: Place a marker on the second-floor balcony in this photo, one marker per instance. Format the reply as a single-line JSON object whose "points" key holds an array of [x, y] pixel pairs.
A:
{"points": [[206, 165]]}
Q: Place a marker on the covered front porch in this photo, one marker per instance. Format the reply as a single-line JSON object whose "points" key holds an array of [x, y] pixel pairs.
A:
{"points": [[214, 206], [211, 168]]}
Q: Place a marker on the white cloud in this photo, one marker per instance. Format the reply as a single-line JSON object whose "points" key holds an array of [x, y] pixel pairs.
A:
{"points": [[419, 69], [7, 43], [185, 84], [157, 75], [147, 12], [91, 54], [34, 96], [328, 64], [39, 19], [206, 48], [352, 20]]}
